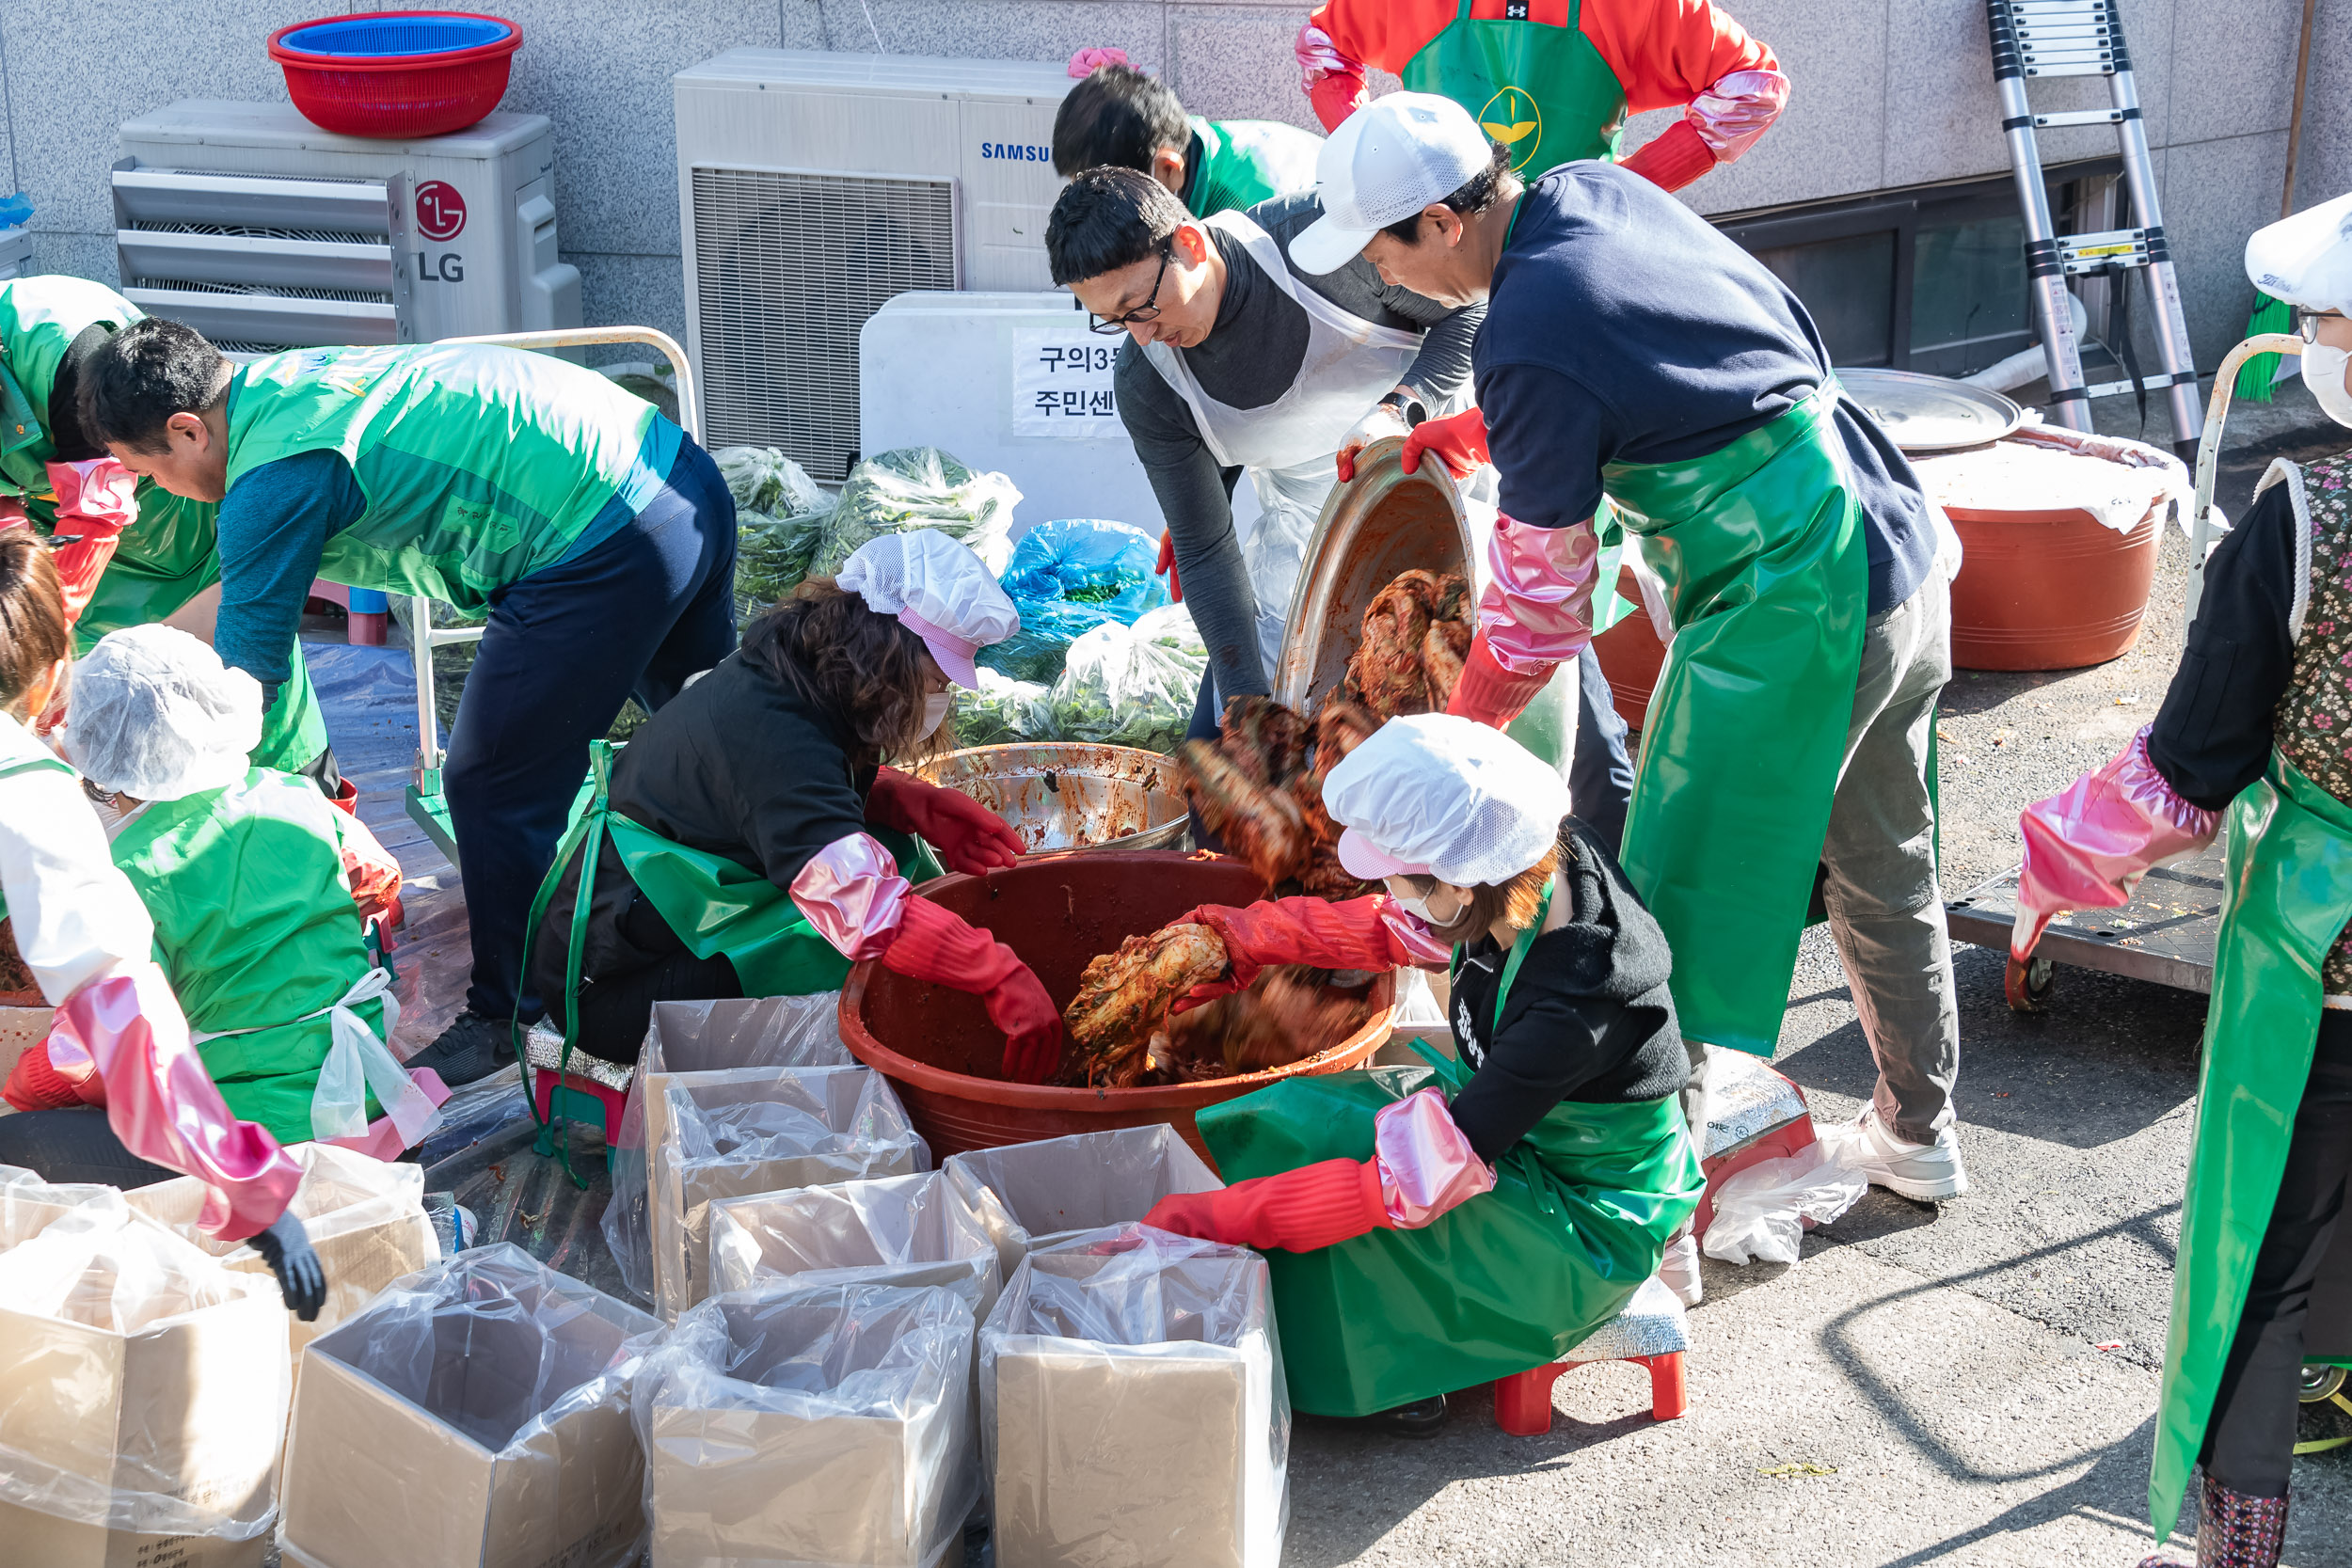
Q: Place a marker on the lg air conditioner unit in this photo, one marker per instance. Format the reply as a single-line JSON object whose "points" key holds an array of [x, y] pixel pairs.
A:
{"points": [[265, 232], [813, 188]]}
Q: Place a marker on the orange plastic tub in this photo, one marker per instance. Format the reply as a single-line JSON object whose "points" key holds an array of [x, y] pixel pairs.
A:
{"points": [[1631, 656], [1058, 912], [2048, 589]]}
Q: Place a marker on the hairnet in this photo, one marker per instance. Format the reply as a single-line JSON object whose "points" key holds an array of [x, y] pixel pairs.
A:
{"points": [[2305, 259], [939, 590], [153, 713], [1467, 801]]}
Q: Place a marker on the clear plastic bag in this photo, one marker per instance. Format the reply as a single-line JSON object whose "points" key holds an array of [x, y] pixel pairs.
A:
{"points": [[891, 1230], [777, 509], [703, 1036], [1132, 1391], [1132, 685], [764, 1131], [765, 481], [917, 487], [1034, 1195], [1066, 579], [147, 1384], [1761, 1212], [28, 1204], [531, 1367], [1003, 711], [810, 1427]]}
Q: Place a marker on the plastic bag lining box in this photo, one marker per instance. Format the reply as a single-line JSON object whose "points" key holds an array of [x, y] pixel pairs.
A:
{"points": [[1034, 1195], [1134, 1408], [475, 1417], [912, 1231], [820, 1428], [733, 1134]]}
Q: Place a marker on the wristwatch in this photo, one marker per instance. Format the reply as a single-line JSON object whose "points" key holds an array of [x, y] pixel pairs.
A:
{"points": [[1405, 403]]}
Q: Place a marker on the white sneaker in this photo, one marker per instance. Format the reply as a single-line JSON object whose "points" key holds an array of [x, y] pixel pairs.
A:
{"points": [[1925, 1173], [1678, 1271]]}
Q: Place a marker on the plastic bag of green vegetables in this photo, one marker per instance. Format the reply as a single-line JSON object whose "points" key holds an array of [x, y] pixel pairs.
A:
{"points": [[1131, 685], [1002, 712], [1068, 578], [919, 487], [763, 480], [776, 508]]}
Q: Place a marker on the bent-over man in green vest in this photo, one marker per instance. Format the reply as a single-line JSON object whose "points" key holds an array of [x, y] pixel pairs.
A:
{"points": [[1119, 118]]}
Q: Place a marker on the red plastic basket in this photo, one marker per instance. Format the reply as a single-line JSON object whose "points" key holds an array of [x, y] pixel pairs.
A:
{"points": [[397, 74]]}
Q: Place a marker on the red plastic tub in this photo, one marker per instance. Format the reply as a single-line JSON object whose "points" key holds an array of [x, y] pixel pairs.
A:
{"points": [[1058, 912], [397, 74], [2049, 590], [1631, 656]]}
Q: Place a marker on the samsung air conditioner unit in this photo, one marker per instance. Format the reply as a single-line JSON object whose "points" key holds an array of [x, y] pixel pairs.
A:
{"points": [[815, 186], [265, 232]]}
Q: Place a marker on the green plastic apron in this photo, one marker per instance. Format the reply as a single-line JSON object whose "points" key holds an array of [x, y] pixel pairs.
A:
{"points": [[2287, 897], [1543, 92], [1578, 1219], [1759, 544]]}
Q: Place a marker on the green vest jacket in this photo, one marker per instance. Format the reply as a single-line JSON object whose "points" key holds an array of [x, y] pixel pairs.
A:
{"points": [[1244, 161], [480, 464]]}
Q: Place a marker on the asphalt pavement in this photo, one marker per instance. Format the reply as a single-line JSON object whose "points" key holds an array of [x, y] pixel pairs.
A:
{"points": [[1928, 1384]]}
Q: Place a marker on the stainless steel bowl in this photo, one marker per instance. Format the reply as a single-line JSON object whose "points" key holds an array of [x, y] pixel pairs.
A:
{"points": [[1067, 795]]}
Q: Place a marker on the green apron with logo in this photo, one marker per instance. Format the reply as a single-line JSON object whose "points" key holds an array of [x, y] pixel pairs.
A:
{"points": [[1512, 1279], [2287, 897], [1760, 546], [1244, 161], [254, 924], [1542, 91], [479, 465]]}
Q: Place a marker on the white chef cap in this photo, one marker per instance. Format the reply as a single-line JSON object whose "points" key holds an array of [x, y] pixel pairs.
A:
{"points": [[939, 590], [1437, 796], [153, 713], [2305, 259]]}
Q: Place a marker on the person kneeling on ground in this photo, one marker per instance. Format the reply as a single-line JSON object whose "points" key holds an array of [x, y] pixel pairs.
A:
{"points": [[248, 875], [743, 852], [1523, 1214]]}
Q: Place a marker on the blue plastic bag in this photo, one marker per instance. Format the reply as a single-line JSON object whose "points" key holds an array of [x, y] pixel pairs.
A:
{"points": [[1066, 578]]}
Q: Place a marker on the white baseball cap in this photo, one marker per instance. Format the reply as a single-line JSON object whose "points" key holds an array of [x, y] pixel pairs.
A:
{"points": [[1385, 162], [2305, 260], [1434, 795]]}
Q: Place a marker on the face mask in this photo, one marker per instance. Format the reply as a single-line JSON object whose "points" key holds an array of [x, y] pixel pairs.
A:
{"points": [[2323, 373], [935, 710]]}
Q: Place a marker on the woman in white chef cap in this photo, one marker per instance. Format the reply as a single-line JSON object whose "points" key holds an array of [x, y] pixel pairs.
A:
{"points": [[2255, 734], [747, 847], [1429, 1243]]}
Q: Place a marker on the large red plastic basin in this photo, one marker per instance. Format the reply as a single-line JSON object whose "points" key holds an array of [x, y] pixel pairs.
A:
{"points": [[1631, 656], [1058, 912], [2049, 590]]}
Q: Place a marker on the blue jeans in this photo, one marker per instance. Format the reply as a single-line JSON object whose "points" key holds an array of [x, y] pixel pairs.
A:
{"points": [[635, 615]]}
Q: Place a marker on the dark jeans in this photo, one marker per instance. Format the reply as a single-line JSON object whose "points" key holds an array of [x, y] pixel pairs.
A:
{"points": [[2250, 1440], [74, 1145], [635, 615], [1601, 776]]}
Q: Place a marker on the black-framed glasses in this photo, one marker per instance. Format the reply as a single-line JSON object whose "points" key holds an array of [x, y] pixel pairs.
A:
{"points": [[2307, 323], [1111, 325]]}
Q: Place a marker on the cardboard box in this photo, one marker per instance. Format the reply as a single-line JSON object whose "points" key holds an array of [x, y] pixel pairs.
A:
{"points": [[1134, 1409], [28, 1205], [1033, 1194], [469, 1419], [825, 1428], [736, 1134], [894, 1231], [145, 1389], [365, 1219]]}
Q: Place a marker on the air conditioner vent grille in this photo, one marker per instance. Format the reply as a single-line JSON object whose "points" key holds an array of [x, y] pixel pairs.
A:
{"points": [[788, 267], [270, 291], [250, 232]]}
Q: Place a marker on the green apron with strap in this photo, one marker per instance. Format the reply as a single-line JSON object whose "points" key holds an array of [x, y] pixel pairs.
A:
{"points": [[1760, 546], [2287, 897], [1515, 1277], [1244, 161], [254, 925], [479, 465], [1542, 91]]}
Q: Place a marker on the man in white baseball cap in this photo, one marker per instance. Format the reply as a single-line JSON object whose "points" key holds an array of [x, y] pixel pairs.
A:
{"points": [[1633, 354]]}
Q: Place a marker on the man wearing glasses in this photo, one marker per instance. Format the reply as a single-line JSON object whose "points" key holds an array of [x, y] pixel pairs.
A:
{"points": [[1239, 361]]}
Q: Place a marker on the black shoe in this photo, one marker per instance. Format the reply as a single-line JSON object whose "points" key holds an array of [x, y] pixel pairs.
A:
{"points": [[470, 1049], [1421, 1418]]}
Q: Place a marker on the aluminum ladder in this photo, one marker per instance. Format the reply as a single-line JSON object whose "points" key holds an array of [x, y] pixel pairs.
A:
{"points": [[2037, 39]]}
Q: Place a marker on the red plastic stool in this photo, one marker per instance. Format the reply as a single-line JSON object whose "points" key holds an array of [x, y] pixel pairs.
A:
{"points": [[1762, 1086], [1523, 1400], [584, 1100]]}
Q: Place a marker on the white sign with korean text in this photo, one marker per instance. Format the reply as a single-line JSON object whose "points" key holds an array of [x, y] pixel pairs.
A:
{"points": [[1061, 383]]}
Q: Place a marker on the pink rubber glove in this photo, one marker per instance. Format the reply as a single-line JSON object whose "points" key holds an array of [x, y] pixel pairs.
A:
{"points": [[1739, 108], [969, 837], [1358, 933], [2088, 846], [935, 945], [1333, 83], [1086, 62], [1459, 439], [1490, 693]]}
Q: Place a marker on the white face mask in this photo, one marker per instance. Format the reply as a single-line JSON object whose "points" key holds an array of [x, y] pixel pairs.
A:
{"points": [[2323, 373], [935, 710]]}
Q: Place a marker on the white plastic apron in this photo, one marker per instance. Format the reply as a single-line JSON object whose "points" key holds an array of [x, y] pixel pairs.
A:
{"points": [[356, 1061], [1291, 446]]}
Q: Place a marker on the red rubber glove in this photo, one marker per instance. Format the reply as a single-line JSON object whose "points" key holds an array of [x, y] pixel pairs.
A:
{"points": [[1348, 935], [1488, 693], [969, 837], [36, 1085], [96, 501], [1167, 568], [1299, 1210], [1335, 96], [1676, 157], [1459, 439], [933, 945]]}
